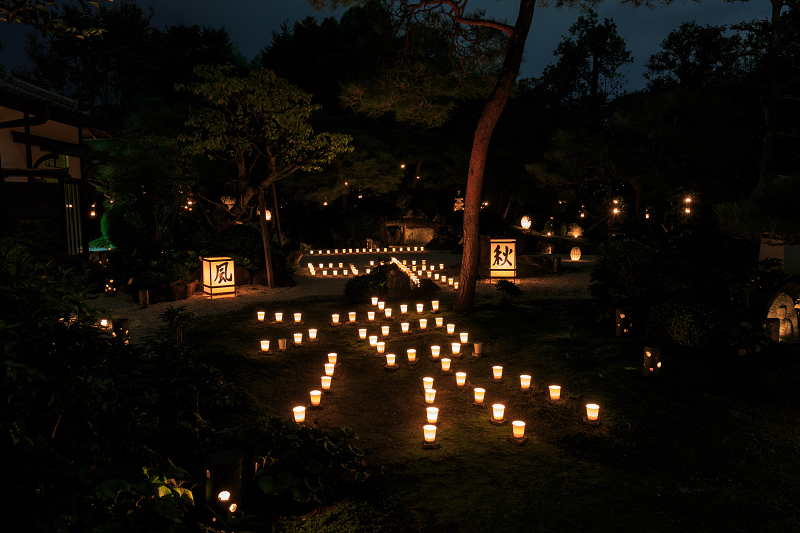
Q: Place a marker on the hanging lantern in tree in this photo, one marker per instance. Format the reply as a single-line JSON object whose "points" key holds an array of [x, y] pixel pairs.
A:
{"points": [[575, 253]]}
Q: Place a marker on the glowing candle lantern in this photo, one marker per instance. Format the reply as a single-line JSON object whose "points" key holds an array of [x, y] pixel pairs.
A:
{"points": [[575, 253], [298, 339], [324, 272], [362, 333], [498, 409], [374, 299], [371, 316], [299, 414], [261, 315], [326, 383], [388, 312], [312, 334], [441, 266], [335, 272], [403, 309], [329, 367], [278, 317], [592, 411], [555, 392], [423, 323], [412, 355], [430, 396], [451, 329], [218, 276], [439, 322], [381, 346], [432, 413], [464, 337], [497, 373], [518, 429], [427, 383], [435, 305], [445, 364], [372, 264], [455, 285], [381, 305], [341, 265], [436, 277], [298, 317], [351, 316], [373, 341], [384, 331], [435, 351], [332, 357], [320, 265], [461, 379], [455, 347], [420, 308], [316, 397], [526, 222], [264, 346], [430, 433], [524, 382], [479, 395], [334, 319], [450, 281], [404, 327], [390, 358]]}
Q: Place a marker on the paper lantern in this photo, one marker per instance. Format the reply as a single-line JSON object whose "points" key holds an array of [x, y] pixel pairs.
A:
{"points": [[326, 383], [374, 299], [278, 317], [420, 308], [298, 339], [390, 359], [381, 305], [441, 266], [362, 333], [461, 379], [335, 272], [332, 357], [439, 322], [316, 397], [430, 433], [575, 253], [324, 272], [455, 285], [351, 316], [298, 317], [329, 367], [518, 429], [479, 395], [430, 396], [282, 344], [371, 316], [218, 276], [427, 383], [497, 373], [450, 281], [498, 409], [385, 331], [312, 334], [435, 306], [503, 258], [455, 348], [464, 337], [381, 347], [432, 414], [403, 309], [451, 329], [423, 323], [388, 312], [592, 411], [264, 346], [299, 414], [526, 222], [261, 315], [435, 351], [373, 341], [524, 382], [436, 277], [412, 355], [555, 392], [445, 364], [404, 327]]}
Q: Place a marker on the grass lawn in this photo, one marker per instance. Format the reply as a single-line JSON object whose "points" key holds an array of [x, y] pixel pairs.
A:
{"points": [[713, 445]]}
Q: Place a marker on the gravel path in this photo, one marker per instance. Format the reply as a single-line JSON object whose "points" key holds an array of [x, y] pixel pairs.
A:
{"points": [[571, 283]]}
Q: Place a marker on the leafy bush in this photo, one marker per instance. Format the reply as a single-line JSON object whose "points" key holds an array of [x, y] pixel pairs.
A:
{"points": [[556, 227], [509, 291], [685, 325], [359, 289], [427, 287], [357, 227], [308, 463], [243, 243]]}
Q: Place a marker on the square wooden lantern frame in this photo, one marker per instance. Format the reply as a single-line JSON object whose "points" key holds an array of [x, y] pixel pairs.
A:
{"points": [[508, 249], [212, 285]]}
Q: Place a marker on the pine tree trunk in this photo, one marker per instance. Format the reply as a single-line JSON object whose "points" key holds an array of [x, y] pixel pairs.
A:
{"points": [[262, 206], [465, 296]]}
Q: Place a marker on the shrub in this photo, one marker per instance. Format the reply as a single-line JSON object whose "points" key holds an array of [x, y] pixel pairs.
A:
{"points": [[243, 243], [359, 289], [686, 325], [358, 227], [509, 291]]}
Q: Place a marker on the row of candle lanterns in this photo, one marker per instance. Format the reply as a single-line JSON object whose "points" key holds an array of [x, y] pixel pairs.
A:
{"points": [[367, 250]]}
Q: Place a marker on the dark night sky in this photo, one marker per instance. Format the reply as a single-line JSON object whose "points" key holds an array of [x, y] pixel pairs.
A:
{"points": [[250, 23]]}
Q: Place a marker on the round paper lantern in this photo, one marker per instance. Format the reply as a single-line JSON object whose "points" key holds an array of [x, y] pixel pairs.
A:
{"points": [[575, 253]]}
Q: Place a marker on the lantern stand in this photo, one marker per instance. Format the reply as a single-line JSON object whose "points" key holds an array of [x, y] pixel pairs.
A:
{"points": [[519, 442], [497, 380], [591, 422], [435, 445], [498, 422], [391, 368], [446, 372], [560, 401]]}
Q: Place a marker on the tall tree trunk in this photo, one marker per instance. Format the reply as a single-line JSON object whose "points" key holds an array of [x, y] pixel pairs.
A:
{"points": [[276, 214], [262, 206], [465, 296]]}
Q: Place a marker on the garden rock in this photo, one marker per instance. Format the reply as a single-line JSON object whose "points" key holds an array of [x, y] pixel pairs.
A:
{"points": [[182, 290], [781, 307], [398, 285], [242, 275]]}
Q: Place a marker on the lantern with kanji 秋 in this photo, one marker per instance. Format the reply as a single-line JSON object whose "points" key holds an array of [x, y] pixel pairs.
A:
{"points": [[503, 258], [218, 279]]}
